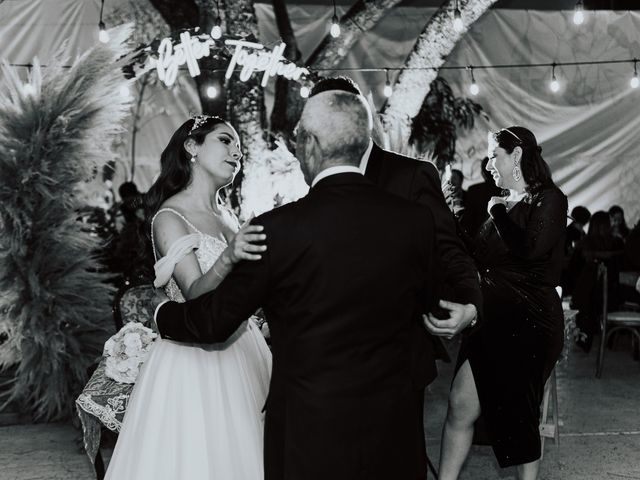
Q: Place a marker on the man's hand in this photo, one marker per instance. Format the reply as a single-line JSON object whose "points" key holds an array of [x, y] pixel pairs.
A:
{"points": [[460, 316], [159, 297]]}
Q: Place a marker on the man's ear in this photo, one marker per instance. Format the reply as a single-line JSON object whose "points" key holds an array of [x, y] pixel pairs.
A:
{"points": [[191, 146]]}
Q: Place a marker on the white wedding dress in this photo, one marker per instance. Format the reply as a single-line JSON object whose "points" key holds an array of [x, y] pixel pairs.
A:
{"points": [[195, 412]]}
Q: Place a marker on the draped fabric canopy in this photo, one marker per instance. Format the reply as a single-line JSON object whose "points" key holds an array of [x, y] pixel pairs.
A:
{"points": [[587, 130]]}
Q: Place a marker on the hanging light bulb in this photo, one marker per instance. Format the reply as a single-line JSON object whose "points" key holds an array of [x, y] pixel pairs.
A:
{"points": [[554, 85], [212, 91], [458, 24], [304, 92], [335, 27], [335, 22], [578, 16], [103, 36], [635, 81], [216, 30], [474, 89], [388, 90]]}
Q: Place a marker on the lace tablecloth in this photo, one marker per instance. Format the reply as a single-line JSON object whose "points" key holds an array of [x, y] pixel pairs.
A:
{"points": [[102, 402]]}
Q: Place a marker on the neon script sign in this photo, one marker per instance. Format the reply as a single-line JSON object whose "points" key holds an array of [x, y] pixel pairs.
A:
{"points": [[252, 57]]}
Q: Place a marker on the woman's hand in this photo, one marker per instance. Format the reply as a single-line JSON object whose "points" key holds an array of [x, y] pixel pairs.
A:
{"points": [[245, 243], [495, 201]]}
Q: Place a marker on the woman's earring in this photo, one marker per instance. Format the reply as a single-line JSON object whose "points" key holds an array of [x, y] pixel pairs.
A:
{"points": [[193, 158], [516, 173]]}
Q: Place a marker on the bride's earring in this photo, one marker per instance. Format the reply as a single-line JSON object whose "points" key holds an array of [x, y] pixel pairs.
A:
{"points": [[516, 173], [193, 158]]}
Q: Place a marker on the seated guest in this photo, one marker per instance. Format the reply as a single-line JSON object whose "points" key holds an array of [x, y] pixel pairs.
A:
{"points": [[573, 258], [476, 199], [630, 289], [618, 224], [599, 245]]}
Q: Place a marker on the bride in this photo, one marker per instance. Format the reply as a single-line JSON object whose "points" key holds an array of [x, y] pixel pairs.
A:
{"points": [[195, 411]]}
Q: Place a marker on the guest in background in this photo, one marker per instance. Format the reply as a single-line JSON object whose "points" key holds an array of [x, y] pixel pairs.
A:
{"points": [[631, 265], [502, 368], [476, 199], [456, 181], [619, 227], [573, 258], [598, 246]]}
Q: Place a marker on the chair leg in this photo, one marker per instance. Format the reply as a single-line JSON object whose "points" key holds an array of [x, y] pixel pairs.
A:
{"points": [[600, 363]]}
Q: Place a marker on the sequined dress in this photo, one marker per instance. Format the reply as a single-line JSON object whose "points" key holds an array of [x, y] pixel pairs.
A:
{"points": [[196, 410], [519, 256]]}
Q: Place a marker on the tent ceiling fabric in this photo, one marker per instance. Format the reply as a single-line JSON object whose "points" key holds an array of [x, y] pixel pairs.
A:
{"points": [[588, 130]]}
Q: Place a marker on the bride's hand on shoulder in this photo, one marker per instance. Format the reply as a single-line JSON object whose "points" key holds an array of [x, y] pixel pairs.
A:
{"points": [[246, 243]]}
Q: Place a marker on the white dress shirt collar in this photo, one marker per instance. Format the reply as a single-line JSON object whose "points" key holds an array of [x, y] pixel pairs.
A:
{"points": [[333, 171], [364, 161]]}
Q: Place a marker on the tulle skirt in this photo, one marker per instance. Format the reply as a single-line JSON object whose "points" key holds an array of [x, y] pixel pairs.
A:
{"points": [[196, 412]]}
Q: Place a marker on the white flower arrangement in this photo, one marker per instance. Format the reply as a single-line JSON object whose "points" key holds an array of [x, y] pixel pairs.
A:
{"points": [[126, 351]]}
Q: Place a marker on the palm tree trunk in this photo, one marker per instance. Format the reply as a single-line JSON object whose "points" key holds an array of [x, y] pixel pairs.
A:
{"points": [[246, 110], [431, 49], [287, 104]]}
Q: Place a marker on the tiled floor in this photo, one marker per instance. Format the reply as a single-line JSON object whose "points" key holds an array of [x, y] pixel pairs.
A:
{"points": [[599, 435]]}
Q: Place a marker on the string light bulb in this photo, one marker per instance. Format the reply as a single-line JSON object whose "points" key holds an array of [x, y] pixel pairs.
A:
{"points": [[335, 27], [474, 89], [578, 16], [635, 81], [388, 90], [554, 85], [103, 35], [216, 30], [304, 91], [335, 23], [212, 91], [458, 24]]}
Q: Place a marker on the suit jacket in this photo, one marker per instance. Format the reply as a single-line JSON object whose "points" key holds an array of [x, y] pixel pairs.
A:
{"points": [[419, 182], [346, 271]]}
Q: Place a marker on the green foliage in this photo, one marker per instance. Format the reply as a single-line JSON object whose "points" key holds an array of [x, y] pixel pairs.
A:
{"points": [[441, 113], [54, 300]]}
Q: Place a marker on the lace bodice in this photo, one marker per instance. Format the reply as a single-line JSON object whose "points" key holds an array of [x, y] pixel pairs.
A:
{"points": [[208, 251]]}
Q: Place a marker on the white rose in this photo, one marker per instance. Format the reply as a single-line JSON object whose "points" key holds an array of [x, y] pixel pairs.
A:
{"points": [[132, 340]]}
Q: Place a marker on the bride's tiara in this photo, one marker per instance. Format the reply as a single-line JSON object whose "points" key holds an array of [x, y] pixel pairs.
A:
{"points": [[199, 120]]}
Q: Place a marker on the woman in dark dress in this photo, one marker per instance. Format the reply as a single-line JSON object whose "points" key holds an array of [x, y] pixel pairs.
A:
{"points": [[503, 366]]}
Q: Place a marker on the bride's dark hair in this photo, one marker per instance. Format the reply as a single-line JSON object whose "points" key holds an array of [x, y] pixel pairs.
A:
{"points": [[175, 164], [175, 175]]}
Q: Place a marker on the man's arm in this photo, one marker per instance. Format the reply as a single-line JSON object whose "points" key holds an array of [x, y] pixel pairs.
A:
{"points": [[215, 316], [460, 273]]}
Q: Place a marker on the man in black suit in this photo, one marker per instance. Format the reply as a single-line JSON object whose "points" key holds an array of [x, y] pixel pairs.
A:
{"points": [[346, 274], [419, 182]]}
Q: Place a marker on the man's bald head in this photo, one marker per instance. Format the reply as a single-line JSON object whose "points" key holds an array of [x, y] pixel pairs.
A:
{"points": [[341, 123]]}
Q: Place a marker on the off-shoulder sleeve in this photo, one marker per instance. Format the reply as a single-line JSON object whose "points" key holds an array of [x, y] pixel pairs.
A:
{"points": [[180, 249], [545, 226]]}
